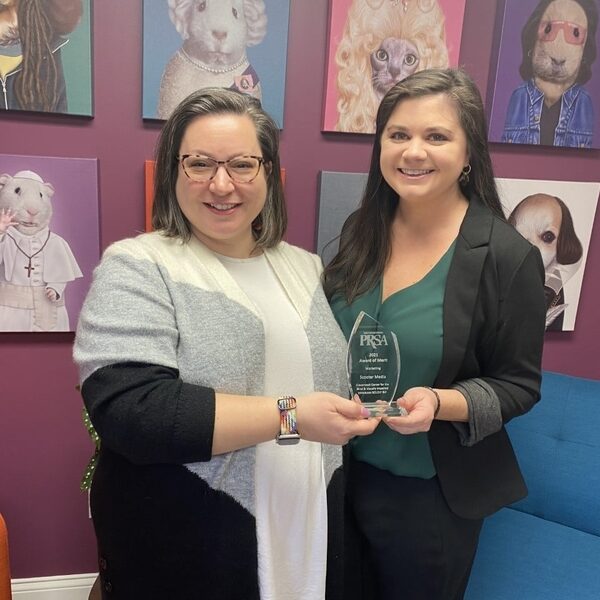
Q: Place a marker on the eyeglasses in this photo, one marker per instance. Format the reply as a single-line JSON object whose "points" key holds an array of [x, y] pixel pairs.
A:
{"points": [[241, 169], [573, 33]]}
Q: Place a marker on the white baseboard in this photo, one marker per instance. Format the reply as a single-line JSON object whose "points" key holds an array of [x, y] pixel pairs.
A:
{"points": [[61, 587]]}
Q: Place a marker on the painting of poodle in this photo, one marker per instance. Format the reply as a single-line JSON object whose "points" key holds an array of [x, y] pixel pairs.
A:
{"points": [[214, 35], [381, 43]]}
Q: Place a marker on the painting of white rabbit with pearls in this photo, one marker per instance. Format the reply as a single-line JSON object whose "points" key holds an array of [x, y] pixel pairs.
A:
{"points": [[48, 240], [193, 44]]}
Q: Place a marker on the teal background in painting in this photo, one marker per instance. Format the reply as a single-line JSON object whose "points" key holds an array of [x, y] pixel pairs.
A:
{"points": [[77, 65], [269, 57]]}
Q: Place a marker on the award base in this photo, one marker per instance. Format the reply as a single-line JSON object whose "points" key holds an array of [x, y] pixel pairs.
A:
{"points": [[381, 408]]}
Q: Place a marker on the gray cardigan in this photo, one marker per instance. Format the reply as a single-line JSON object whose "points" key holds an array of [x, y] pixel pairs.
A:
{"points": [[164, 326], [158, 301]]}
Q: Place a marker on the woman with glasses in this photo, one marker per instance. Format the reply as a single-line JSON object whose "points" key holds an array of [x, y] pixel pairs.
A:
{"points": [[464, 294], [200, 347]]}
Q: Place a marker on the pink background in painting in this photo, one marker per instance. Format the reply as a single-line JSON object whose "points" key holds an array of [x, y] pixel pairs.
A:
{"points": [[453, 10]]}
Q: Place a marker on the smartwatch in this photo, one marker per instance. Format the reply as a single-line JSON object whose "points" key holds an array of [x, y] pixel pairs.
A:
{"points": [[288, 433]]}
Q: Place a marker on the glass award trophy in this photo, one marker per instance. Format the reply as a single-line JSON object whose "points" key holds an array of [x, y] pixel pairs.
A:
{"points": [[373, 366]]}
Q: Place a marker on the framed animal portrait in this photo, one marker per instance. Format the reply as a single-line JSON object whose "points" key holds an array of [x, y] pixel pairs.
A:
{"points": [[557, 217], [191, 44], [49, 240], [546, 87], [373, 44], [46, 56]]}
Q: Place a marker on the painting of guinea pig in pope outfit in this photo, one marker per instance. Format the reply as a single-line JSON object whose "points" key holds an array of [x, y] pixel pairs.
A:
{"points": [[192, 44], [557, 217], [374, 44], [547, 86], [49, 240]]}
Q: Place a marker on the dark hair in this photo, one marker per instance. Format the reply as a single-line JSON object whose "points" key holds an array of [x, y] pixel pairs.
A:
{"points": [[568, 246], [167, 217], [365, 239], [529, 38], [36, 86]]}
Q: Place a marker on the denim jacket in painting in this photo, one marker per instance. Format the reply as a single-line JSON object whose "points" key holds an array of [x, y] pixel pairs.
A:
{"points": [[575, 124]]}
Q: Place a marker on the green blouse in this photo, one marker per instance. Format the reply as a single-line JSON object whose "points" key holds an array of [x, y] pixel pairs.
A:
{"points": [[415, 314]]}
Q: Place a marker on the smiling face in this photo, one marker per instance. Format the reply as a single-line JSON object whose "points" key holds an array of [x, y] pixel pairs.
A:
{"points": [[560, 43], [538, 219], [220, 211], [424, 149]]}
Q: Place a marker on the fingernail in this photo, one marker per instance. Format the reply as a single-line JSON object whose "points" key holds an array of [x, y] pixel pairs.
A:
{"points": [[365, 412]]}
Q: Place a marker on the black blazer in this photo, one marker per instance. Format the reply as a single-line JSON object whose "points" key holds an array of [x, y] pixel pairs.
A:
{"points": [[494, 320]]}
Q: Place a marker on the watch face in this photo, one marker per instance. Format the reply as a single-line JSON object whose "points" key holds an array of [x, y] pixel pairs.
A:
{"points": [[286, 402], [287, 439]]}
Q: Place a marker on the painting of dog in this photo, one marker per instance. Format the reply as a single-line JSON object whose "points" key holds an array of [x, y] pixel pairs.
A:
{"points": [[557, 217]]}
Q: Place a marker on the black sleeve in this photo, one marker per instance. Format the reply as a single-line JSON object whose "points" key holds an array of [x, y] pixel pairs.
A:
{"points": [[514, 371], [146, 413]]}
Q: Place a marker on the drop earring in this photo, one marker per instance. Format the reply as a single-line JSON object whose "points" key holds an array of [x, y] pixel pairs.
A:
{"points": [[464, 175]]}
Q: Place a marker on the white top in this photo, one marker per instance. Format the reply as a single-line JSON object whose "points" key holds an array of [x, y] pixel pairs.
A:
{"points": [[291, 505]]}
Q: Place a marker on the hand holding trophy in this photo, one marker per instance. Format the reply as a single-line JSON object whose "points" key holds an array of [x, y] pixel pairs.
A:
{"points": [[373, 366]]}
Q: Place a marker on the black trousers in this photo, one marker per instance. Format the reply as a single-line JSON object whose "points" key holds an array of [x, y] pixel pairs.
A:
{"points": [[404, 540]]}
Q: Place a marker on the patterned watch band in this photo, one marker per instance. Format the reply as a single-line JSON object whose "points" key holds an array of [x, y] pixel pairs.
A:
{"points": [[287, 415]]}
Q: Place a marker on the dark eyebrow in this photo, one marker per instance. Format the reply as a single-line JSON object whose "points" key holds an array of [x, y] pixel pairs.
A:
{"points": [[395, 128], [428, 130]]}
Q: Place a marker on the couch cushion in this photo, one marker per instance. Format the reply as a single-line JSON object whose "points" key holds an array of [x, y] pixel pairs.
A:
{"points": [[523, 557], [558, 447]]}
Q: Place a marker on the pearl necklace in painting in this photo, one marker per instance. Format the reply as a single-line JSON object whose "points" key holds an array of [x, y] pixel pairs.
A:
{"points": [[205, 67]]}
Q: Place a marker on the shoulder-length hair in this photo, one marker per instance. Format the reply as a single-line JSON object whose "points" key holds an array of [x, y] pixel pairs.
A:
{"points": [[530, 32], [167, 217], [365, 239]]}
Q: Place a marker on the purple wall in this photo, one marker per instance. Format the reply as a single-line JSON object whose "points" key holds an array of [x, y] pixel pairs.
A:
{"points": [[43, 445]]}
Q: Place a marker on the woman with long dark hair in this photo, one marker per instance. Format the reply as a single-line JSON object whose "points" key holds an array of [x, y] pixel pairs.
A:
{"points": [[429, 254]]}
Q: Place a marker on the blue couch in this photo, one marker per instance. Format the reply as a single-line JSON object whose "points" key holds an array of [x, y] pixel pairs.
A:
{"points": [[547, 546]]}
